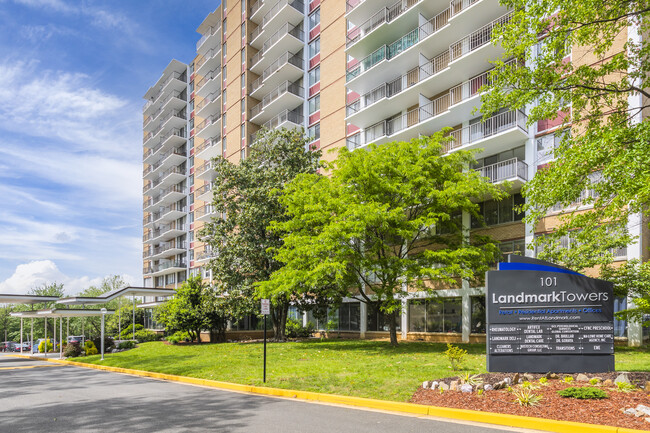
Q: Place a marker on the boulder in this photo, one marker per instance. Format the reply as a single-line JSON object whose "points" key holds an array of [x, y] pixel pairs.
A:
{"points": [[622, 378], [434, 385], [515, 379], [552, 376], [453, 385], [488, 387], [466, 388], [529, 377], [629, 411], [425, 384], [443, 386], [582, 378], [646, 419], [643, 409], [647, 387], [608, 382], [507, 381]]}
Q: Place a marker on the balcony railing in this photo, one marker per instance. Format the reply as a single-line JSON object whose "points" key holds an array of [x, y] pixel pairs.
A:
{"points": [[167, 228], [207, 144], [296, 4], [208, 165], [167, 265], [207, 100], [209, 55], [167, 191], [209, 76], [205, 253], [385, 15], [164, 174], [204, 210], [477, 39], [256, 6], [147, 270], [146, 187], [169, 246], [504, 170], [180, 151], [146, 220], [492, 126], [181, 76], [285, 116], [286, 87], [175, 207], [282, 60], [285, 29], [212, 30], [203, 189], [207, 122]]}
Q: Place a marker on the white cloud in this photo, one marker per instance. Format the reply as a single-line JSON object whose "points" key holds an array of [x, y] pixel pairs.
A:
{"points": [[37, 273]]}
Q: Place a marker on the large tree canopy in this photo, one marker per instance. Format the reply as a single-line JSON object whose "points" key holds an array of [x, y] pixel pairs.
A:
{"points": [[246, 195], [581, 62], [382, 223]]}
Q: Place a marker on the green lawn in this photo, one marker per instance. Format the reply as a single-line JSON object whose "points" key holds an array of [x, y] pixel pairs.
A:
{"points": [[348, 367]]}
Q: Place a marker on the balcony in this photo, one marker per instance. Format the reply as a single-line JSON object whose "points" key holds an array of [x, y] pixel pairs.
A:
{"points": [[210, 104], [284, 11], [177, 81], [210, 60], [286, 119], [147, 270], [172, 157], [167, 249], [259, 9], [287, 38], [167, 231], [204, 253], [210, 148], [512, 170], [168, 195], [286, 96], [209, 83], [380, 61], [146, 236], [204, 213], [204, 193], [206, 171], [147, 220], [168, 267], [202, 46], [497, 133], [170, 176], [169, 213], [287, 67], [208, 128]]}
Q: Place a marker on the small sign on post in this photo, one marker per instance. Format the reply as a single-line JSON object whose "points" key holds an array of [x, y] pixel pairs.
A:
{"points": [[266, 310]]}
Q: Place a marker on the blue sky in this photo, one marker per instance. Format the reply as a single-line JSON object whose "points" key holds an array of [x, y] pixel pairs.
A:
{"points": [[72, 76]]}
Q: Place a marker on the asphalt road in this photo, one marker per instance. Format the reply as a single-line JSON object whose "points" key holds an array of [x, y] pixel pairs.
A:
{"points": [[37, 396]]}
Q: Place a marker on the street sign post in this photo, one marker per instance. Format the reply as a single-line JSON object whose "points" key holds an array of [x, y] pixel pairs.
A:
{"points": [[266, 310]]}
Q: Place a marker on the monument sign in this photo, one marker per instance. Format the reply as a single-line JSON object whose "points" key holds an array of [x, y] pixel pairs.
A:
{"points": [[545, 318]]}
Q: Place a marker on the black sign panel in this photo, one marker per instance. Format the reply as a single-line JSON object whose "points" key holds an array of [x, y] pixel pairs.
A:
{"points": [[544, 318]]}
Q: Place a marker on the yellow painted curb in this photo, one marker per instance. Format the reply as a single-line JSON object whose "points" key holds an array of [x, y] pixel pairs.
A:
{"points": [[393, 406]]}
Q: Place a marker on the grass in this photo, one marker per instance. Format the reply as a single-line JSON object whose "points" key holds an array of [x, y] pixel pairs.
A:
{"points": [[359, 368]]}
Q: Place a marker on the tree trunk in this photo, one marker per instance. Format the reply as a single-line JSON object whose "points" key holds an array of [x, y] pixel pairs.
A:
{"points": [[279, 319], [393, 328], [198, 336]]}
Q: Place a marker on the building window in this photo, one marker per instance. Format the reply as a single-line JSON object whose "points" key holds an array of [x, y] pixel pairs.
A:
{"points": [[314, 104], [242, 81], [191, 180], [478, 315], [223, 97], [192, 123], [435, 315], [314, 19], [314, 47], [499, 212], [224, 49], [223, 146], [314, 76], [191, 68], [243, 153], [191, 86], [243, 57], [192, 105], [223, 73], [243, 30], [313, 132], [379, 321], [516, 247]]}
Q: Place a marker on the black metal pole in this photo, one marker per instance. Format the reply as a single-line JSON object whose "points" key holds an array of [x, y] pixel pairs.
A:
{"points": [[265, 348]]}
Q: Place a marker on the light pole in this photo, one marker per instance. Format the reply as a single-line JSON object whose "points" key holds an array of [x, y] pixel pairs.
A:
{"points": [[103, 310]]}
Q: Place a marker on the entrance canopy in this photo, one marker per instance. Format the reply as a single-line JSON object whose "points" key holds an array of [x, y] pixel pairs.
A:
{"points": [[59, 312], [114, 294], [26, 299]]}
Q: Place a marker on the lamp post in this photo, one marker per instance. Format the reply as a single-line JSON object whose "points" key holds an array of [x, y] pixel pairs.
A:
{"points": [[103, 310]]}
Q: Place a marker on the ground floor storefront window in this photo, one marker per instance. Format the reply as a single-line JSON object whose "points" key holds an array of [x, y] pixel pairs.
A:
{"points": [[478, 315], [435, 315], [379, 321]]}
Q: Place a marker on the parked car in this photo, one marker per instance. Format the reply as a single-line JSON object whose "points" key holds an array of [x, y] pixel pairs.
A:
{"points": [[7, 346], [76, 339], [26, 347]]}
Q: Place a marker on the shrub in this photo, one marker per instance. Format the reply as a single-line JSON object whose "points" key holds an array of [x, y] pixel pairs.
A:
{"points": [[144, 336], [89, 348], [125, 345], [583, 393], [455, 355], [568, 379], [526, 397], [529, 385], [41, 346], [127, 333], [108, 343], [173, 339], [470, 379], [625, 387], [594, 381], [543, 381], [72, 350], [295, 330]]}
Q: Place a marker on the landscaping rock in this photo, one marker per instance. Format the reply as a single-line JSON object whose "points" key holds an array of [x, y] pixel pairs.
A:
{"points": [[507, 381], [434, 385], [488, 387], [443, 386], [466, 388], [608, 382], [645, 410], [647, 387], [529, 377], [646, 419], [582, 378], [629, 411], [425, 384], [552, 376], [453, 385], [622, 378], [515, 379]]}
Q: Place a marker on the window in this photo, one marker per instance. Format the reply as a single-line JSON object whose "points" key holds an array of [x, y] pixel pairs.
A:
{"points": [[192, 105], [314, 104], [435, 315], [191, 180], [242, 105], [314, 47], [243, 153], [223, 73], [499, 212], [192, 123], [223, 145], [223, 97], [243, 29], [191, 161], [516, 247], [191, 86], [478, 315], [314, 19], [243, 6], [191, 68], [314, 76], [546, 146], [224, 49], [379, 321], [242, 128], [242, 81], [313, 132], [243, 56]]}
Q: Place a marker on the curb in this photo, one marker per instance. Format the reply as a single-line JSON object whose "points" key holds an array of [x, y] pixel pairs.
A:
{"points": [[393, 406]]}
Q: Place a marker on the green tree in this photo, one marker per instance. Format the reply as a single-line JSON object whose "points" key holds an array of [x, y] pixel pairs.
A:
{"points": [[570, 69], [247, 197], [384, 220], [188, 310]]}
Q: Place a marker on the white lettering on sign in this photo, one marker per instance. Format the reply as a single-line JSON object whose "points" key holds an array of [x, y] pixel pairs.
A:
{"points": [[266, 306]]}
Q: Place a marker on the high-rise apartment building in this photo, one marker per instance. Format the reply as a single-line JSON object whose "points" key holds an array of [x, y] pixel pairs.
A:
{"points": [[350, 73]]}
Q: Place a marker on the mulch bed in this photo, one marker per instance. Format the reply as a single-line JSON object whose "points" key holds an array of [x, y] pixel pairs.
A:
{"points": [[605, 412]]}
